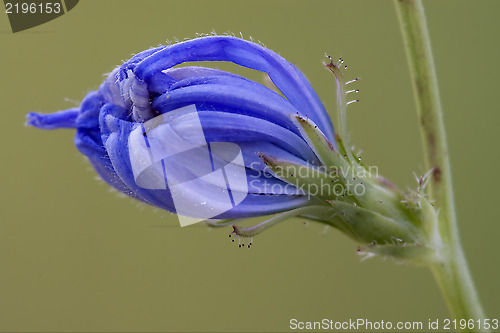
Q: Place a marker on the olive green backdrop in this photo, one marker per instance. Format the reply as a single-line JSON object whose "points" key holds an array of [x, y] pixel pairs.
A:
{"points": [[75, 256]]}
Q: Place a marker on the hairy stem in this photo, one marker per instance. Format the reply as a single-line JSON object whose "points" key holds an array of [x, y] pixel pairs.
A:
{"points": [[451, 272]]}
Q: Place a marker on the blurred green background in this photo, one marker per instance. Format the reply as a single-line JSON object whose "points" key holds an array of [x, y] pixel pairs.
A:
{"points": [[75, 256]]}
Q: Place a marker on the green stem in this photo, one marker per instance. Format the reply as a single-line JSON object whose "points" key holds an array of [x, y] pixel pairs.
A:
{"points": [[451, 272]]}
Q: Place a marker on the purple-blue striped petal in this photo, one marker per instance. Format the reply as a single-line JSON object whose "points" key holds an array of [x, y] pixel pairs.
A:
{"points": [[287, 78]]}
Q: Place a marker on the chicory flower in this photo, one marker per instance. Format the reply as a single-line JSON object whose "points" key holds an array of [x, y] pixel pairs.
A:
{"points": [[147, 101], [212, 145]]}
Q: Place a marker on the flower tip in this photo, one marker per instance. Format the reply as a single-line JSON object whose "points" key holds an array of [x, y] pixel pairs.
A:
{"points": [[31, 119], [37, 120], [61, 119]]}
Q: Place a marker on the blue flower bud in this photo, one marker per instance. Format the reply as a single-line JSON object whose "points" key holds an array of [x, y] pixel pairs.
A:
{"points": [[212, 145], [176, 137]]}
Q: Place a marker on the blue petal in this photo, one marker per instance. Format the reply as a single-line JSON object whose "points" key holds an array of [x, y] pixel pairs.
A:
{"points": [[163, 81], [241, 99], [287, 78], [229, 127], [258, 205]]}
